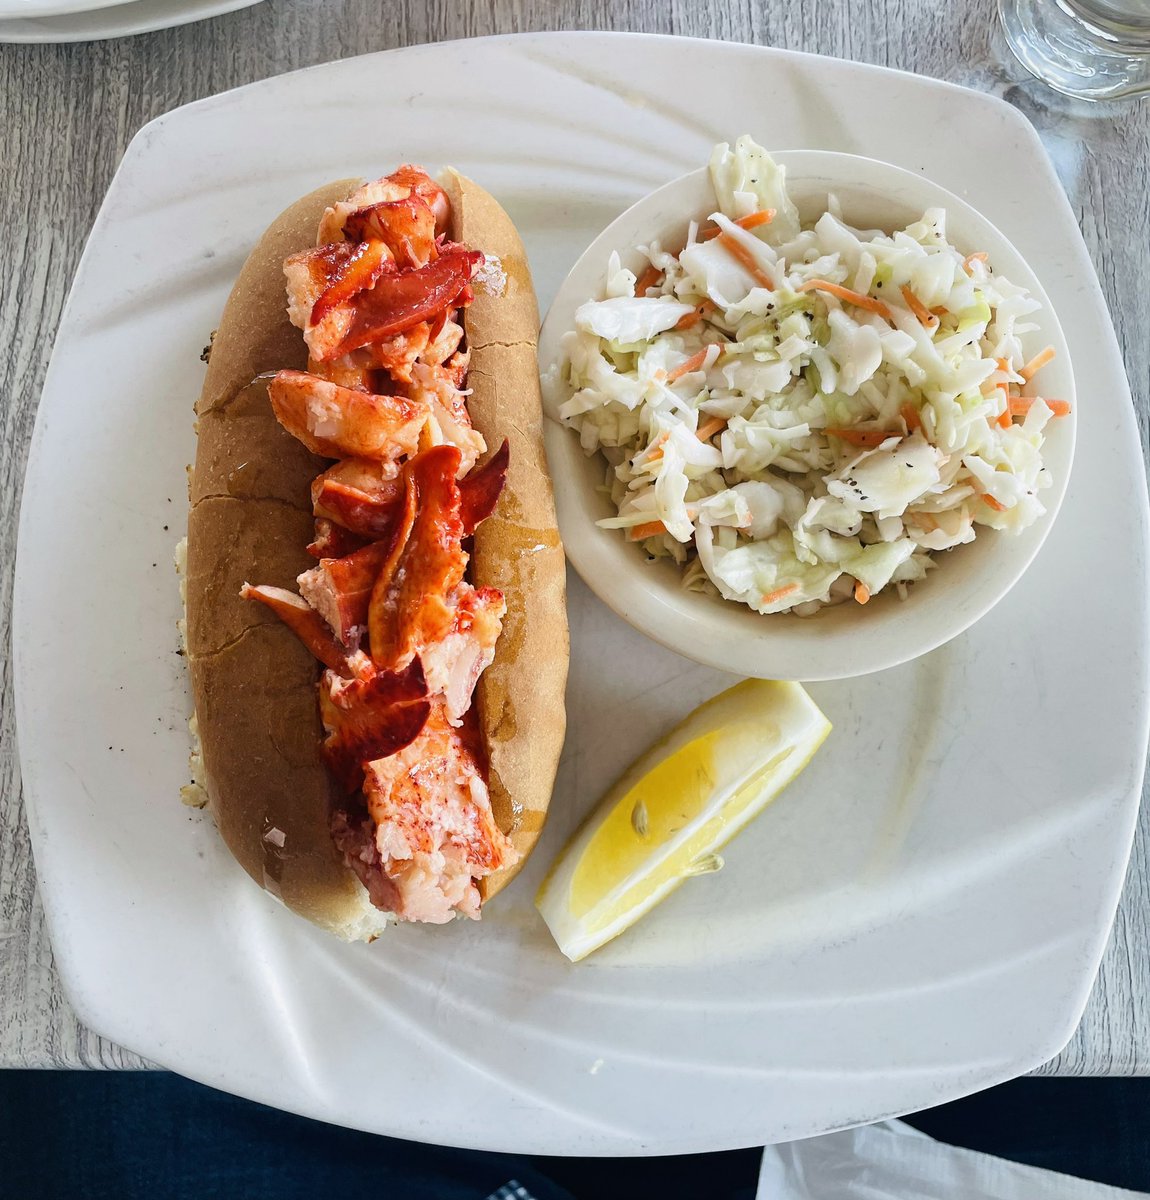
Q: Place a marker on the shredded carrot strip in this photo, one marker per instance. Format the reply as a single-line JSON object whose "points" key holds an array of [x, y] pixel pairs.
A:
{"points": [[694, 363], [856, 298], [1036, 364], [990, 502], [1020, 406], [1003, 418], [862, 592], [779, 593], [656, 450], [751, 221], [977, 256], [863, 438], [939, 312], [710, 427], [693, 318], [911, 416], [746, 260], [920, 310], [1003, 365], [639, 533], [648, 279]]}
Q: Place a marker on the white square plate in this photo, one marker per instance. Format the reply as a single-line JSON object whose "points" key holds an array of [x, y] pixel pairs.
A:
{"points": [[920, 916]]}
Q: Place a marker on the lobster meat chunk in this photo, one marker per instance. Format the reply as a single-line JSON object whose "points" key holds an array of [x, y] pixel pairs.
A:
{"points": [[337, 422], [370, 717], [432, 833]]}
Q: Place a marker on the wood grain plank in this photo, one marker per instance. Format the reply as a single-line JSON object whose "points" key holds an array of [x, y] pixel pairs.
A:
{"points": [[70, 111]]}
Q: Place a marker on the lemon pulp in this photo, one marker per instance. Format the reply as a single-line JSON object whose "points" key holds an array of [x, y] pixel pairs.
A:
{"points": [[673, 795]]}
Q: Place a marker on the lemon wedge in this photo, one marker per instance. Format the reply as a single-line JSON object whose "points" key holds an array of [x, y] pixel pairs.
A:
{"points": [[675, 807]]}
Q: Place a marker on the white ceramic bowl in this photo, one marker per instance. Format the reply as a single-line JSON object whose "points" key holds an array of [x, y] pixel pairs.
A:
{"points": [[846, 639]]}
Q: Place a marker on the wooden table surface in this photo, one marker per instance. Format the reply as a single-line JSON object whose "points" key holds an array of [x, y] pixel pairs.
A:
{"points": [[69, 111]]}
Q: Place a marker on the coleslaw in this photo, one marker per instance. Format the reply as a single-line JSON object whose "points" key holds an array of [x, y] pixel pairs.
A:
{"points": [[800, 414]]}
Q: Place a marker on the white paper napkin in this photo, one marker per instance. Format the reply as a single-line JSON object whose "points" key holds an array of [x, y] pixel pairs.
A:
{"points": [[894, 1161]]}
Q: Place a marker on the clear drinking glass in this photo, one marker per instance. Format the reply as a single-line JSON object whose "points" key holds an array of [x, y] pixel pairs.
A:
{"points": [[1092, 49]]}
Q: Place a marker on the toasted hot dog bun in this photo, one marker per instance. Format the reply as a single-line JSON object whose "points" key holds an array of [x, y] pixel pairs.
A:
{"points": [[517, 549], [253, 681]]}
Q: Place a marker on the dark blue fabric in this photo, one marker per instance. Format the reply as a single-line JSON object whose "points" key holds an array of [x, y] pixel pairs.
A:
{"points": [[91, 1135], [1094, 1128], [123, 1136]]}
